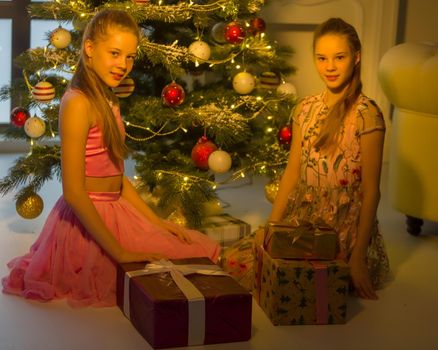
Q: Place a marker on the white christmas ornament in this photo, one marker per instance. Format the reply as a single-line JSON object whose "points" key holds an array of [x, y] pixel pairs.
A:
{"points": [[200, 49], [244, 83], [219, 161], [43, 92], [286, 89], [60, 38], [34, 127]]}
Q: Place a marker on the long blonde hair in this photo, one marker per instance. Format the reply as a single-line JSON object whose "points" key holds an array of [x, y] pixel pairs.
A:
{"points": [[339, 110], [89, 83]]}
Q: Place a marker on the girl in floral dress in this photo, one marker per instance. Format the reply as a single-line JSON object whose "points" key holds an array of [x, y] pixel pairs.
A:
{"points": [[334, 165]]}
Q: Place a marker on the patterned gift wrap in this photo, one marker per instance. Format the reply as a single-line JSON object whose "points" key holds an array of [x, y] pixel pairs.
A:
{"points": [[238, 261], [225, 229], [293, 292], [300, 240], [196, 304]]}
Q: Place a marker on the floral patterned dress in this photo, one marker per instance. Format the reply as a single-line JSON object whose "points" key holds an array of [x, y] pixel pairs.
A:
{"points": [[329, 190]]}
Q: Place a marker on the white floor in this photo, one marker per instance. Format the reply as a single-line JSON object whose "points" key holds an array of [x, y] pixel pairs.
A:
{"points": [[405, 316]]}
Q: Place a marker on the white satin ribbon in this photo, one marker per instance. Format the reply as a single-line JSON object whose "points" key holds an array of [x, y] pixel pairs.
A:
{"points": [[196, 301]]}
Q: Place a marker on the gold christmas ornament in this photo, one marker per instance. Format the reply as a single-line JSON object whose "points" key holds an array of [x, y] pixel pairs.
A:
{"points": [[212, 207], [29, 207], [271, 190], [244, 83], [177, 217]]}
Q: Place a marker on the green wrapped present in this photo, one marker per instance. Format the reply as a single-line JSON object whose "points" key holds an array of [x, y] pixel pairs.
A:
{"points": [[300, 240], [293, 292]]}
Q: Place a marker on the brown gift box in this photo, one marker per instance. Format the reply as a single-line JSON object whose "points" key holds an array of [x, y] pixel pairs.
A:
{"points": [[293, 292], [159, 310], [300, 240]]}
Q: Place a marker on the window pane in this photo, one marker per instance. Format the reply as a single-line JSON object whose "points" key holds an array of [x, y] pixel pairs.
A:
{"points": [[5, 63]]}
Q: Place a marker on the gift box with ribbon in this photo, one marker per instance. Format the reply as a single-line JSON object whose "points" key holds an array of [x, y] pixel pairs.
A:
{"points": [[183, 302], [300, 240], [293, 292], [225, 229]]}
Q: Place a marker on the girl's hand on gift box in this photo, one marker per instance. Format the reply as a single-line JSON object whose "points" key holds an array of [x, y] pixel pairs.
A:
{"points": [[361, 278]]}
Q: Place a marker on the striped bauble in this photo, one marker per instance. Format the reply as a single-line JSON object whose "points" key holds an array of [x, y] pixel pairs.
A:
{"points": [[43, 92], [125, 88], [269, 80]]}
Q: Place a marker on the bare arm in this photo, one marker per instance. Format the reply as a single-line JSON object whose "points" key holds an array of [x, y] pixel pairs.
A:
{"points": [[74, 126], [371, 145], [290, 176], [131, 195]]}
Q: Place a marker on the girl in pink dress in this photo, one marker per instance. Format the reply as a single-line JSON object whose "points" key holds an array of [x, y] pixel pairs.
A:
{"points": [[100, 219], [333, 171]]}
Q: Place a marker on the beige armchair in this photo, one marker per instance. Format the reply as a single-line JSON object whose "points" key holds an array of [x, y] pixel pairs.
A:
{"points": [[408, 75]]}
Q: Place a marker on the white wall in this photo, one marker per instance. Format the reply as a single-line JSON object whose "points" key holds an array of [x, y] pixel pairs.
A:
{"points": [[421, 21]]}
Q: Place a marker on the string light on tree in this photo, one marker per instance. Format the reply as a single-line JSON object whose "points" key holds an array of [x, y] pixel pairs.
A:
{"points": [[35, 127], [125, 88], [202, 151], [19, 115], [60, 38], [173, 94], [244, 83], [43, 92], [29, 206], [219, 161], [234, 33]]}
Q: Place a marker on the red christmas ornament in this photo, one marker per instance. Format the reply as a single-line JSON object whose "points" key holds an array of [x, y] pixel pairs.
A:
{"points": [[19, 115], [285, 135], [173, 94], [234, 33], [202, 151], [257, 25]]}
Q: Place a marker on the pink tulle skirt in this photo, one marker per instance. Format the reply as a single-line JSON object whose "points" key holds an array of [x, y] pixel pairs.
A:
{"points": [[65, 262]]}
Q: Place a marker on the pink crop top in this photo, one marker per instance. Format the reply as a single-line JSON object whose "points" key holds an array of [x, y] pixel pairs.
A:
{"points": [[97, 160]]}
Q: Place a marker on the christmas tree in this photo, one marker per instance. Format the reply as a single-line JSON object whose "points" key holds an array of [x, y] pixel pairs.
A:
{"points": [[207, 96]]}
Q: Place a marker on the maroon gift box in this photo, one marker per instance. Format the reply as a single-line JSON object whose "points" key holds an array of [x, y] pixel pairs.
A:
{"points": [[159, 309]]}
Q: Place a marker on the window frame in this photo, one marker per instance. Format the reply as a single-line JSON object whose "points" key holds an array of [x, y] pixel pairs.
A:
{"points": [[16, 10]]}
